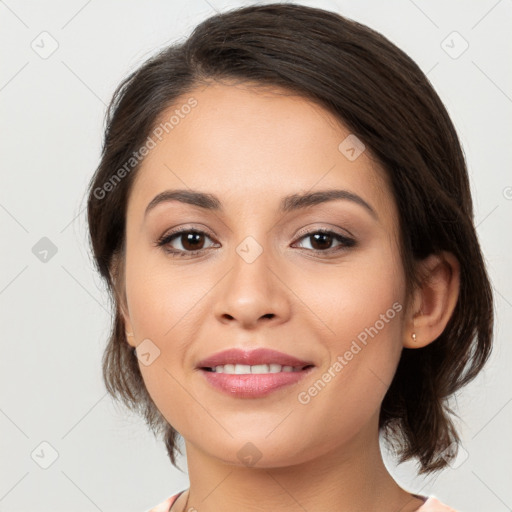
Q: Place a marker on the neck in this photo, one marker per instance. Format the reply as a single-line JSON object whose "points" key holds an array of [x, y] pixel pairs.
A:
{"points": [[352, 478]]}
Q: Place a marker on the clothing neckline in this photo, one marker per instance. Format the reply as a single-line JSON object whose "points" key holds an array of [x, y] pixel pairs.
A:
{"points": [[419, 496], [176, 496]]}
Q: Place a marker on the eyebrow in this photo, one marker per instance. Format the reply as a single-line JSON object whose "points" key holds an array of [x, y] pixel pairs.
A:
{"points": [[289, 203]]}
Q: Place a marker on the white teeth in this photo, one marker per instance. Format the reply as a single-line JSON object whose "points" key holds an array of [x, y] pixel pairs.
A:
{"points": [[244, 369], [260, 368]]}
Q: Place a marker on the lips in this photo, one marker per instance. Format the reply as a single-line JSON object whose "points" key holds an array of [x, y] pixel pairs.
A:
{"points": [[285, 370], [251, 358]]}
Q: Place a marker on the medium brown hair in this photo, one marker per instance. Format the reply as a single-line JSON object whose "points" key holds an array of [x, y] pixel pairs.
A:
{"points": [[385, 99]]}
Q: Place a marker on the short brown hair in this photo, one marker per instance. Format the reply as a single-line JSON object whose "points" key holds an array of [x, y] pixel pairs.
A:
{"points": [[385, 99]]}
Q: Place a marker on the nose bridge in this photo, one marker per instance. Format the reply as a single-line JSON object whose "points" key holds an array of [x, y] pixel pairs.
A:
{"points": [[251, 290], [251, 274]]}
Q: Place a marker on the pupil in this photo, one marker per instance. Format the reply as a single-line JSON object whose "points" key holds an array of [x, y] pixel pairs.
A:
{"points": [[324, 236], [189, 237]]}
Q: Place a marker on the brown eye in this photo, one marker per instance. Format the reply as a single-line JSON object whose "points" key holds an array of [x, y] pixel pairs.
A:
{"points": [[188, 241], [322, 240], [191, 240]]}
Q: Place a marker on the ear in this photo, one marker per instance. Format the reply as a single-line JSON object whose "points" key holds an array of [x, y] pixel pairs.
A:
{"points": [[434, 300], [130, 338]]}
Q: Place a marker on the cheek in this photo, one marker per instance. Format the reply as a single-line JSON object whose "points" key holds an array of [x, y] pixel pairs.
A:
{"points": [[161, 299], [357, 296], [164, 306], [362, 304]]}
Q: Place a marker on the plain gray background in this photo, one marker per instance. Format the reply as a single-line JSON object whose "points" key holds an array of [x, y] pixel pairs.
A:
{"points": [[60, 64]]}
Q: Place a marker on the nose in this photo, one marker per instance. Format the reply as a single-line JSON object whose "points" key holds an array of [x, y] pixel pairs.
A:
{"points": [[252, 293]]}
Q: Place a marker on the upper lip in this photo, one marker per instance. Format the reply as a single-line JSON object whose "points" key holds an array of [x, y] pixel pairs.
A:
{"points": [[251, 357]]}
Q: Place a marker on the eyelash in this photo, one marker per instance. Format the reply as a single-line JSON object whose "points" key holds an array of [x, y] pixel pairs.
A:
{"points": [[168, 237]]}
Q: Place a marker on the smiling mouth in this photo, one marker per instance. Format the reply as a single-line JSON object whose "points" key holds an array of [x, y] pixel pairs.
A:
{"points": [[253, 381], [261, 369]]}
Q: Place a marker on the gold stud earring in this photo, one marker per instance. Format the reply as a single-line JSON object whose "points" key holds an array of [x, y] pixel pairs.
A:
{"points": [[413, 336]]}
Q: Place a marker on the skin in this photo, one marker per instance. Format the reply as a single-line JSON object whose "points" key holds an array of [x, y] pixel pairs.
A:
{"points": [[250, 147]]}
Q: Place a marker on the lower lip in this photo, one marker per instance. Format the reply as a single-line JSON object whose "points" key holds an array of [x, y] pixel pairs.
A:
{"points": [[255, 385]]}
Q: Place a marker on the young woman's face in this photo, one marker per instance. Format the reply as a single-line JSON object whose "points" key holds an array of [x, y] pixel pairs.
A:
{"points": [[257, 275]]}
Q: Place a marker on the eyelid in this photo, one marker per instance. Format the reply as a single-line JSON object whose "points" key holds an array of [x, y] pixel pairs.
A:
{"points": [[186, 228], [335, 229]]}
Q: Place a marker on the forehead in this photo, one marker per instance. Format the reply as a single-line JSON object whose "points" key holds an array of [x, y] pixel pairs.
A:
{"points": [[250, 145]]}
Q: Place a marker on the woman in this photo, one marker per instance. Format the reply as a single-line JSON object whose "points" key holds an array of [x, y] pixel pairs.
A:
{"points": [[283, 215]]}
